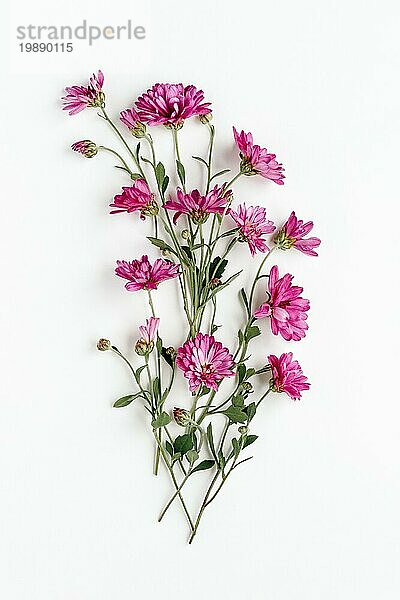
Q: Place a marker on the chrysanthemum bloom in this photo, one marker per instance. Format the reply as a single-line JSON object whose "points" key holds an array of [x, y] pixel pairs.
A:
{"points": [[204, 362], [256, 160], [85, 147], [137, 197], [181, 416], [80, 97], [287, 376], [253, 225], [130, 119], [285, 307], [198, 207], [292, 236], [142, 275], [148, 332], [170, 104]]}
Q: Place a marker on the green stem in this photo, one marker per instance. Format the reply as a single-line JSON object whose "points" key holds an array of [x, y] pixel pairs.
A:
{"points": [[121, 137], [119, 157]]}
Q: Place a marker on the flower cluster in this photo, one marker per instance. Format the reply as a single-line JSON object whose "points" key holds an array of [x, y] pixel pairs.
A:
{"points": [[196, 225]]}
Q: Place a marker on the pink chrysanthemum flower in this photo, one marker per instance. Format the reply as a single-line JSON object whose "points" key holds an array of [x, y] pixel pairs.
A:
{"points": [[137, 197], [142, 275], [287, 376], [256, 160], [204, 362], [285, 307], [292, 235], [253, 225], [85, 147], [148, 334], [130, 119], [198, 207], [80, 97], [170, 104]]}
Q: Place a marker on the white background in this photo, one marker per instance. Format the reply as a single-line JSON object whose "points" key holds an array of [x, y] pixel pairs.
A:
{"points": [[315, 514]]}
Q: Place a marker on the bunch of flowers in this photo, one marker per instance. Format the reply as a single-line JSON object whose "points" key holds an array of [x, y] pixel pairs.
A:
{"points": [[195, 230]]}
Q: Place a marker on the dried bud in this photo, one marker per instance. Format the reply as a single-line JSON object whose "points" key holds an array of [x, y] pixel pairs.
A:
{"points": [[143, 347], [205, 118], [181, 416], [103, 344], [214, 283], [243, 429]]}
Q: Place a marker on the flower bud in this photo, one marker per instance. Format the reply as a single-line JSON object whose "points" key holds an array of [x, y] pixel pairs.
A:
{"points": [[143, 347], [181, 416], [247, 387], [171, 352], [103, 344], [205, 118], [85, 147], [185, 234], [243, 429], [214, 283]]}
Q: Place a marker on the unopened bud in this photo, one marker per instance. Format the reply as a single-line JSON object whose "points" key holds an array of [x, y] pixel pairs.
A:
{"points": [[171, 352], [243, 429], [185, 234], [181, 416], [85, 147], [214, 283], [103, 344], [247, 387], [142, 347]]}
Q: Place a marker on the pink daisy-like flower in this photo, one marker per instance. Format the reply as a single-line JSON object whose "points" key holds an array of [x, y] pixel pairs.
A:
{"points": [[253, 225], [198, 207], [256, 160], [80, 97], [85, 147], [287, 376], [292, 235], [148, 332], [204, 362], [130, 119], [170, 104], [142, 275], [137, 197], [285, 307]]}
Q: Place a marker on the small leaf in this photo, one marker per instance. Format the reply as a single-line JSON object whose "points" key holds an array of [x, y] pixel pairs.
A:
{"points": [[214, 328], [221, 460], [249, 440], [219, 173], [235, 414], [169, 448], [252, 332], [205, 464], [156, 389], [250, 372], [125, 400], [165, 184], [238, 401], [161, 244], [241, 372], [176, 456], [161, 421], [160, 174], [201, 160], [217, 267], [236, 447], [181, 172], [192, 456], [251, 410], [211, 440], [183, 443]]}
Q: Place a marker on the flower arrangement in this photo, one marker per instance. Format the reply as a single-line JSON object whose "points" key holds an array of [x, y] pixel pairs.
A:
{"points": [[195, 231]]}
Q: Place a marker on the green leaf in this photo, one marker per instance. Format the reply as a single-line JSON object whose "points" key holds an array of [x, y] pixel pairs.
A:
{"points": [[183, 443], [161, 244], [249, 440], [250, 372], [192, 456], [161, 421], [251, 410], [219, 173], [181, 172], [210, 439], [205, 464], [236, 447], [238, 401], [252, 332], [169, 448], [125, 400], [160, 174], [167, 357], [235, 414], [221, 460], [240, 336], [201, 160], [165, 184], [241, 372], [217, 267], [214, 328], [159, 344], [156, 389]]}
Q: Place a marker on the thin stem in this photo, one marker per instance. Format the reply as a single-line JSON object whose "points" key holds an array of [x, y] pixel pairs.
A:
{"points": [[121, 137], [119, 157]]}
